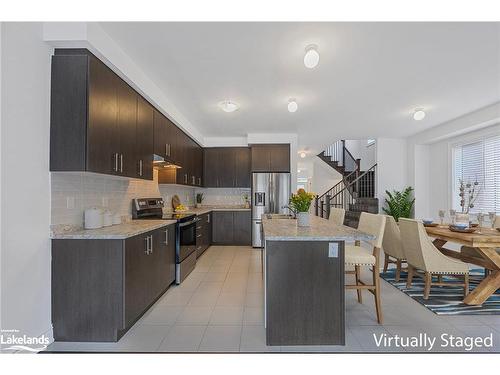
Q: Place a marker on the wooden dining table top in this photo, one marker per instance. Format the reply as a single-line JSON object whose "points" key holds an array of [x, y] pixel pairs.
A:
{"points": [[485, 237]]}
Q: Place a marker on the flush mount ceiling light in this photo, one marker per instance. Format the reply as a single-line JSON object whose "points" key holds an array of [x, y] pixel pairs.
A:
{"points": [[311, 58], [303, 155], [292, 106], [418, 114], [228, 106]]}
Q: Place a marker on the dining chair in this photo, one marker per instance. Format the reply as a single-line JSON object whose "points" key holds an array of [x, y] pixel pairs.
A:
{"points": [[422, 255], [392, 246], [358, 256], [337, 215]]}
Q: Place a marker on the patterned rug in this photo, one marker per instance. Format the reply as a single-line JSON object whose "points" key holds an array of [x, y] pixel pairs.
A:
{"points": [[446, 300]]}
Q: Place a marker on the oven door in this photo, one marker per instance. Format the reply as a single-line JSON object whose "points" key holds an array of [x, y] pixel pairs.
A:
{"points": [[187, 239]]}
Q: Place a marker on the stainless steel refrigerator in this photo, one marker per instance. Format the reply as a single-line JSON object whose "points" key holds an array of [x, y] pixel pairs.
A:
{"points": [[270, 195]]}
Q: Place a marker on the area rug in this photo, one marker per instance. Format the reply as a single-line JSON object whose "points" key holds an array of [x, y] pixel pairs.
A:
{"points": [[446, 300]]}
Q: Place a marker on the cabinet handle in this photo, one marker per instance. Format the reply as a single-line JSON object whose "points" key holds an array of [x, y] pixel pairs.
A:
{"points": [[121, 163], [199, 181], [198, 235], [208, 218], [169, 150], [140, 167], [147, 245], [198, 228], [166, 237], [185, 178], [151, 244], [193, 179], [166, 149], [115, 156]]}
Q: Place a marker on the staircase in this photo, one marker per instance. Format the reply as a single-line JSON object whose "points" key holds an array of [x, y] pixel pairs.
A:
{"points": [[355, 193]]}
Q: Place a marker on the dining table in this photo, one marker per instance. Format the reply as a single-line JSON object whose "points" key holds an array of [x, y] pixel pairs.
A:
{"points": [[482, 251]]}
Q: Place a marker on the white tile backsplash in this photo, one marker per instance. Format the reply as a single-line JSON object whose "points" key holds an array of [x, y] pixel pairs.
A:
{"points": [[87, 190], [223, 196]]}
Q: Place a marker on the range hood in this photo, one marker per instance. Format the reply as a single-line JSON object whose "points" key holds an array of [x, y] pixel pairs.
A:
{"points": [[159, 162]]}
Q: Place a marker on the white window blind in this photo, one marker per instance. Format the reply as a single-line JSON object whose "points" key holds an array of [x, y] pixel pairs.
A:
{"points": [[479, 161]]}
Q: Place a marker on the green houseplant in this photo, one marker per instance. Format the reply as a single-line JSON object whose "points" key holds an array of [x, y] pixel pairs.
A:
{"points": [[399, 203], [300, 203]]}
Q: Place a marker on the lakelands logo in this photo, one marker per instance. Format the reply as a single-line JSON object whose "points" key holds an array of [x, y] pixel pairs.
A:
{"points": [[12, 341], [428, 342]]}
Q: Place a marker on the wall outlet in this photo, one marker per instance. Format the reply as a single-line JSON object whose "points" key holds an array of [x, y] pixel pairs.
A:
{"points": [[333, 250], [70, 203], [105, 201]]}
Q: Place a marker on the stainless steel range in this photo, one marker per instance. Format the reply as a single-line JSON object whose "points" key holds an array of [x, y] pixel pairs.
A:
{"points": [[185, 232]]}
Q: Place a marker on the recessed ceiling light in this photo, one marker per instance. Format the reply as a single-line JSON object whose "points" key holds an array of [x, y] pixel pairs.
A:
{"points": [[298, 170], [311, 58], [303, 155], [228, 106], [292, 106], [418, 114]]}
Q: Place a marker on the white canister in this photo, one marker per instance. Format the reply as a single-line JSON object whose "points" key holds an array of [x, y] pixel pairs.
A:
{"points": [[107, 218], [117, 219], [303, 219], [93, 218]]}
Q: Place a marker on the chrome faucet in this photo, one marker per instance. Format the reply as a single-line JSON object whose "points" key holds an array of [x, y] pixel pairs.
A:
{"points": [[291, 210]]}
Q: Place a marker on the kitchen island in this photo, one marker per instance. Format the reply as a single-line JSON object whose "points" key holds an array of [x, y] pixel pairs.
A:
{"points": [[304, 281]]}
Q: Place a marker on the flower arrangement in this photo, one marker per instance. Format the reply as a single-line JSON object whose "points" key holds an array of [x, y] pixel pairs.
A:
{"points": [[301, 201], [468, 193]]}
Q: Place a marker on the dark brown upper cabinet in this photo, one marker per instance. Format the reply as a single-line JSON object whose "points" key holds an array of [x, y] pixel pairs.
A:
{"points": [[270, 158], [94, 119], [145, 130], [226, 167]]}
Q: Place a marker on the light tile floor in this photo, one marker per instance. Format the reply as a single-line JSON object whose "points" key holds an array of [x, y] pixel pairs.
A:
{"points": [[219, 308]]}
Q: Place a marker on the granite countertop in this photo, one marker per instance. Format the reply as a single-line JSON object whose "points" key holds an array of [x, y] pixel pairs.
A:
{"points": [[205, 209], [114, 232], [320, 230]]}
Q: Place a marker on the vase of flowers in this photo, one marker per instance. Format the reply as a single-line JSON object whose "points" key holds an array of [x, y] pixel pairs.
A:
{"points": [[300, 204], [468, 193]]}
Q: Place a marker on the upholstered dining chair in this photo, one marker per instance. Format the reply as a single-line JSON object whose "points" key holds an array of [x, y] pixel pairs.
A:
{"points": [[337, 215], [422, 255], [392, 246], [358, 256]]}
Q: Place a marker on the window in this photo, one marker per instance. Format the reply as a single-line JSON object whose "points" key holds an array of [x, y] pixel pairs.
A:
{"points": [[370, 142], [479, 161]]}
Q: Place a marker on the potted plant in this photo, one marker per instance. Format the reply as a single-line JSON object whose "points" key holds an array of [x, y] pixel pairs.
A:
{"points": [[399, 203], [199, 199], [300, 204]]}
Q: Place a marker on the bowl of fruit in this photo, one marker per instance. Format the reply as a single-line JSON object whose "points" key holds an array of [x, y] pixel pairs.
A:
{"points": [[180, 208]]}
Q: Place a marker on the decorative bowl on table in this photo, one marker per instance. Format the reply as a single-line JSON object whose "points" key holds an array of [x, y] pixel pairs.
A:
{"points": [[429, 223], [461, 228]]}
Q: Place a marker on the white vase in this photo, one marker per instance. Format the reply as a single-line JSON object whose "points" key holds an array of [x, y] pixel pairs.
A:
{"points": [[303, 219]]}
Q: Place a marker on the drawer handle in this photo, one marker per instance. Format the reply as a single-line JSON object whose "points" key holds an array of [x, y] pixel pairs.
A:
{"points": [[198, 227], [198, 236]]}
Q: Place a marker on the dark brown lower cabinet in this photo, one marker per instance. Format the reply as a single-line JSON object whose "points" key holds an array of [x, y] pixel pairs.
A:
{"points": [[101, 287], [231, 228], [203, 233]]}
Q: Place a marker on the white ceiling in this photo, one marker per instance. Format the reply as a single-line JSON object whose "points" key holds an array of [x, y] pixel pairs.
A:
{"points": [[370, 77]]}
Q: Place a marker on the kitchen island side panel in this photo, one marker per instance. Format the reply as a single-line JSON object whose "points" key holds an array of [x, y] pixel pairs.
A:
{"points": [[304, 293]]}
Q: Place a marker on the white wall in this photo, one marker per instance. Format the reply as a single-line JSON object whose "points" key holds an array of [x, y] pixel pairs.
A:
{"points": [[391, 158], [359, 150], [25, 191], [429, 157], [324, 177]]}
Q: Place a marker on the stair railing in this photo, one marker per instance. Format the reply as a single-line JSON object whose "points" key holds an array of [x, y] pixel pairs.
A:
{"points": [[336, 152], [344, 193]]}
